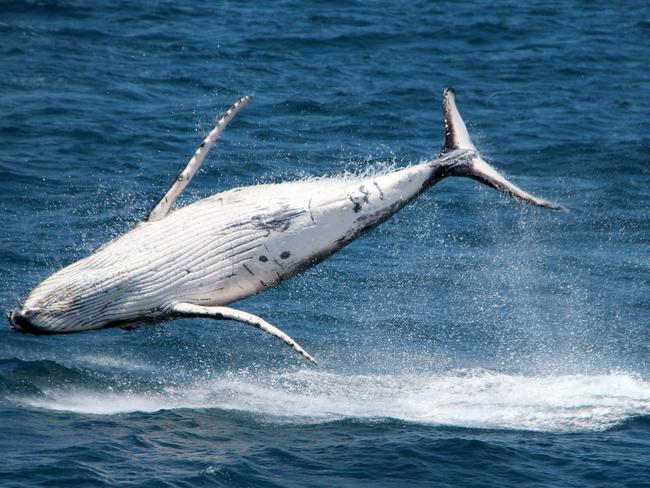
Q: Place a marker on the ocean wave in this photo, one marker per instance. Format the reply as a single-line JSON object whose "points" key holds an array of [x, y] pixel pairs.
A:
{"points": [[471, 398]]}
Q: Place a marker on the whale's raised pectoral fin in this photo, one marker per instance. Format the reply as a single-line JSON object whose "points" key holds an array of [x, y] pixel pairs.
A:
{"points": [[161, 209], [227, 313]]}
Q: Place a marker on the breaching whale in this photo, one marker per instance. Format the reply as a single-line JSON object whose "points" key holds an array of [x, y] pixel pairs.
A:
{"points": [[193, 261]]}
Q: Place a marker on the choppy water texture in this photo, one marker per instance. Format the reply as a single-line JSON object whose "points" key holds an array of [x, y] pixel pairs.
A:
{"points": [[468, 341]]}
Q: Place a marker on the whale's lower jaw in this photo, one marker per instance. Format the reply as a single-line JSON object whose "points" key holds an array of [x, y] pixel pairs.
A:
{"points": [[127, 324]]}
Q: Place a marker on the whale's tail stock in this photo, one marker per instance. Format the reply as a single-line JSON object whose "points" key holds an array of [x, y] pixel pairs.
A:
{"points": [[459, 157]]}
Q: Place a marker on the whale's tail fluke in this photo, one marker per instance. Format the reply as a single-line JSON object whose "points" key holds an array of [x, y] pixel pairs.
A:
{"points": [[464, 159]]}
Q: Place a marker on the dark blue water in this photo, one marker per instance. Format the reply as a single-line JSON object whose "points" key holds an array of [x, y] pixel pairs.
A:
{"points": [[468, 341]]}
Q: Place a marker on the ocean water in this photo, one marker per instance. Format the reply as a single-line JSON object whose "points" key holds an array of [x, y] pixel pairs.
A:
{"points": [[468, 341]]}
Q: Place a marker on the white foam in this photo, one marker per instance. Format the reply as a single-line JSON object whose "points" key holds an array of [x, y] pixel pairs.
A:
{"points": [[466, 398]]}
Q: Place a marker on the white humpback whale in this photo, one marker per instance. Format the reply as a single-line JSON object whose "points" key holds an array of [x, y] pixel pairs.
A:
{"points": [[195, 260]]}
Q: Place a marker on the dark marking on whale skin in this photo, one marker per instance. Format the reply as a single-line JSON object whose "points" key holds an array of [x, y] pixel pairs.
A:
{"points": [[248, 269], [264, 259], [213, 291], [365, 193], [359, 201], [376, 218], [285, 255], [381, 193], [311, 215], [195, 299], [366, 223], [202, 144], [278, 221], [356, 206]]}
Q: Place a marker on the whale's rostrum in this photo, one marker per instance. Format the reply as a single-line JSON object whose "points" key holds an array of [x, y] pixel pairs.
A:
{"points": [[195, 260]]}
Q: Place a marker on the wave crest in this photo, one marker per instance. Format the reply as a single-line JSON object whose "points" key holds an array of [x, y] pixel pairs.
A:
{"points": [[473, 398]]}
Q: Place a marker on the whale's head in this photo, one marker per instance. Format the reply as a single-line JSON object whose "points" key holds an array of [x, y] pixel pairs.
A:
{"points": [[75, 299]]}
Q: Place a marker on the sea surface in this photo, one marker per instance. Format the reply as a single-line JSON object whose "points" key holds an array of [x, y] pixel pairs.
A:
{"points": [[468, 341]]}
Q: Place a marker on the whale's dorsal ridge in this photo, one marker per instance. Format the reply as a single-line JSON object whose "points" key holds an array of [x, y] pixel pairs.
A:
{"points": [[162, 208]]}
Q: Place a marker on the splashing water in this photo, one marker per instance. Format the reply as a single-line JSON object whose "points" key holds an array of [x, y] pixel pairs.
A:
{"points": [[473, 398]]}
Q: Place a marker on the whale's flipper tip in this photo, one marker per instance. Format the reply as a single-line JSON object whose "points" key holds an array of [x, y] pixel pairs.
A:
{"points": [[470, 163]]}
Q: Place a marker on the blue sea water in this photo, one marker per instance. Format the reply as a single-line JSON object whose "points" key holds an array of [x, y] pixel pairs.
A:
{"points": [[468, 341]]}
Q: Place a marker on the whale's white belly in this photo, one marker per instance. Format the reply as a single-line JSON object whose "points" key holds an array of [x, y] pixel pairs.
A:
{"points": [[237, 243]]}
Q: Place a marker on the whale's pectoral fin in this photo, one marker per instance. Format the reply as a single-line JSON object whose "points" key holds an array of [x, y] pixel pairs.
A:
{"points": [[227, 313], [161, 209], [468, 161]]}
